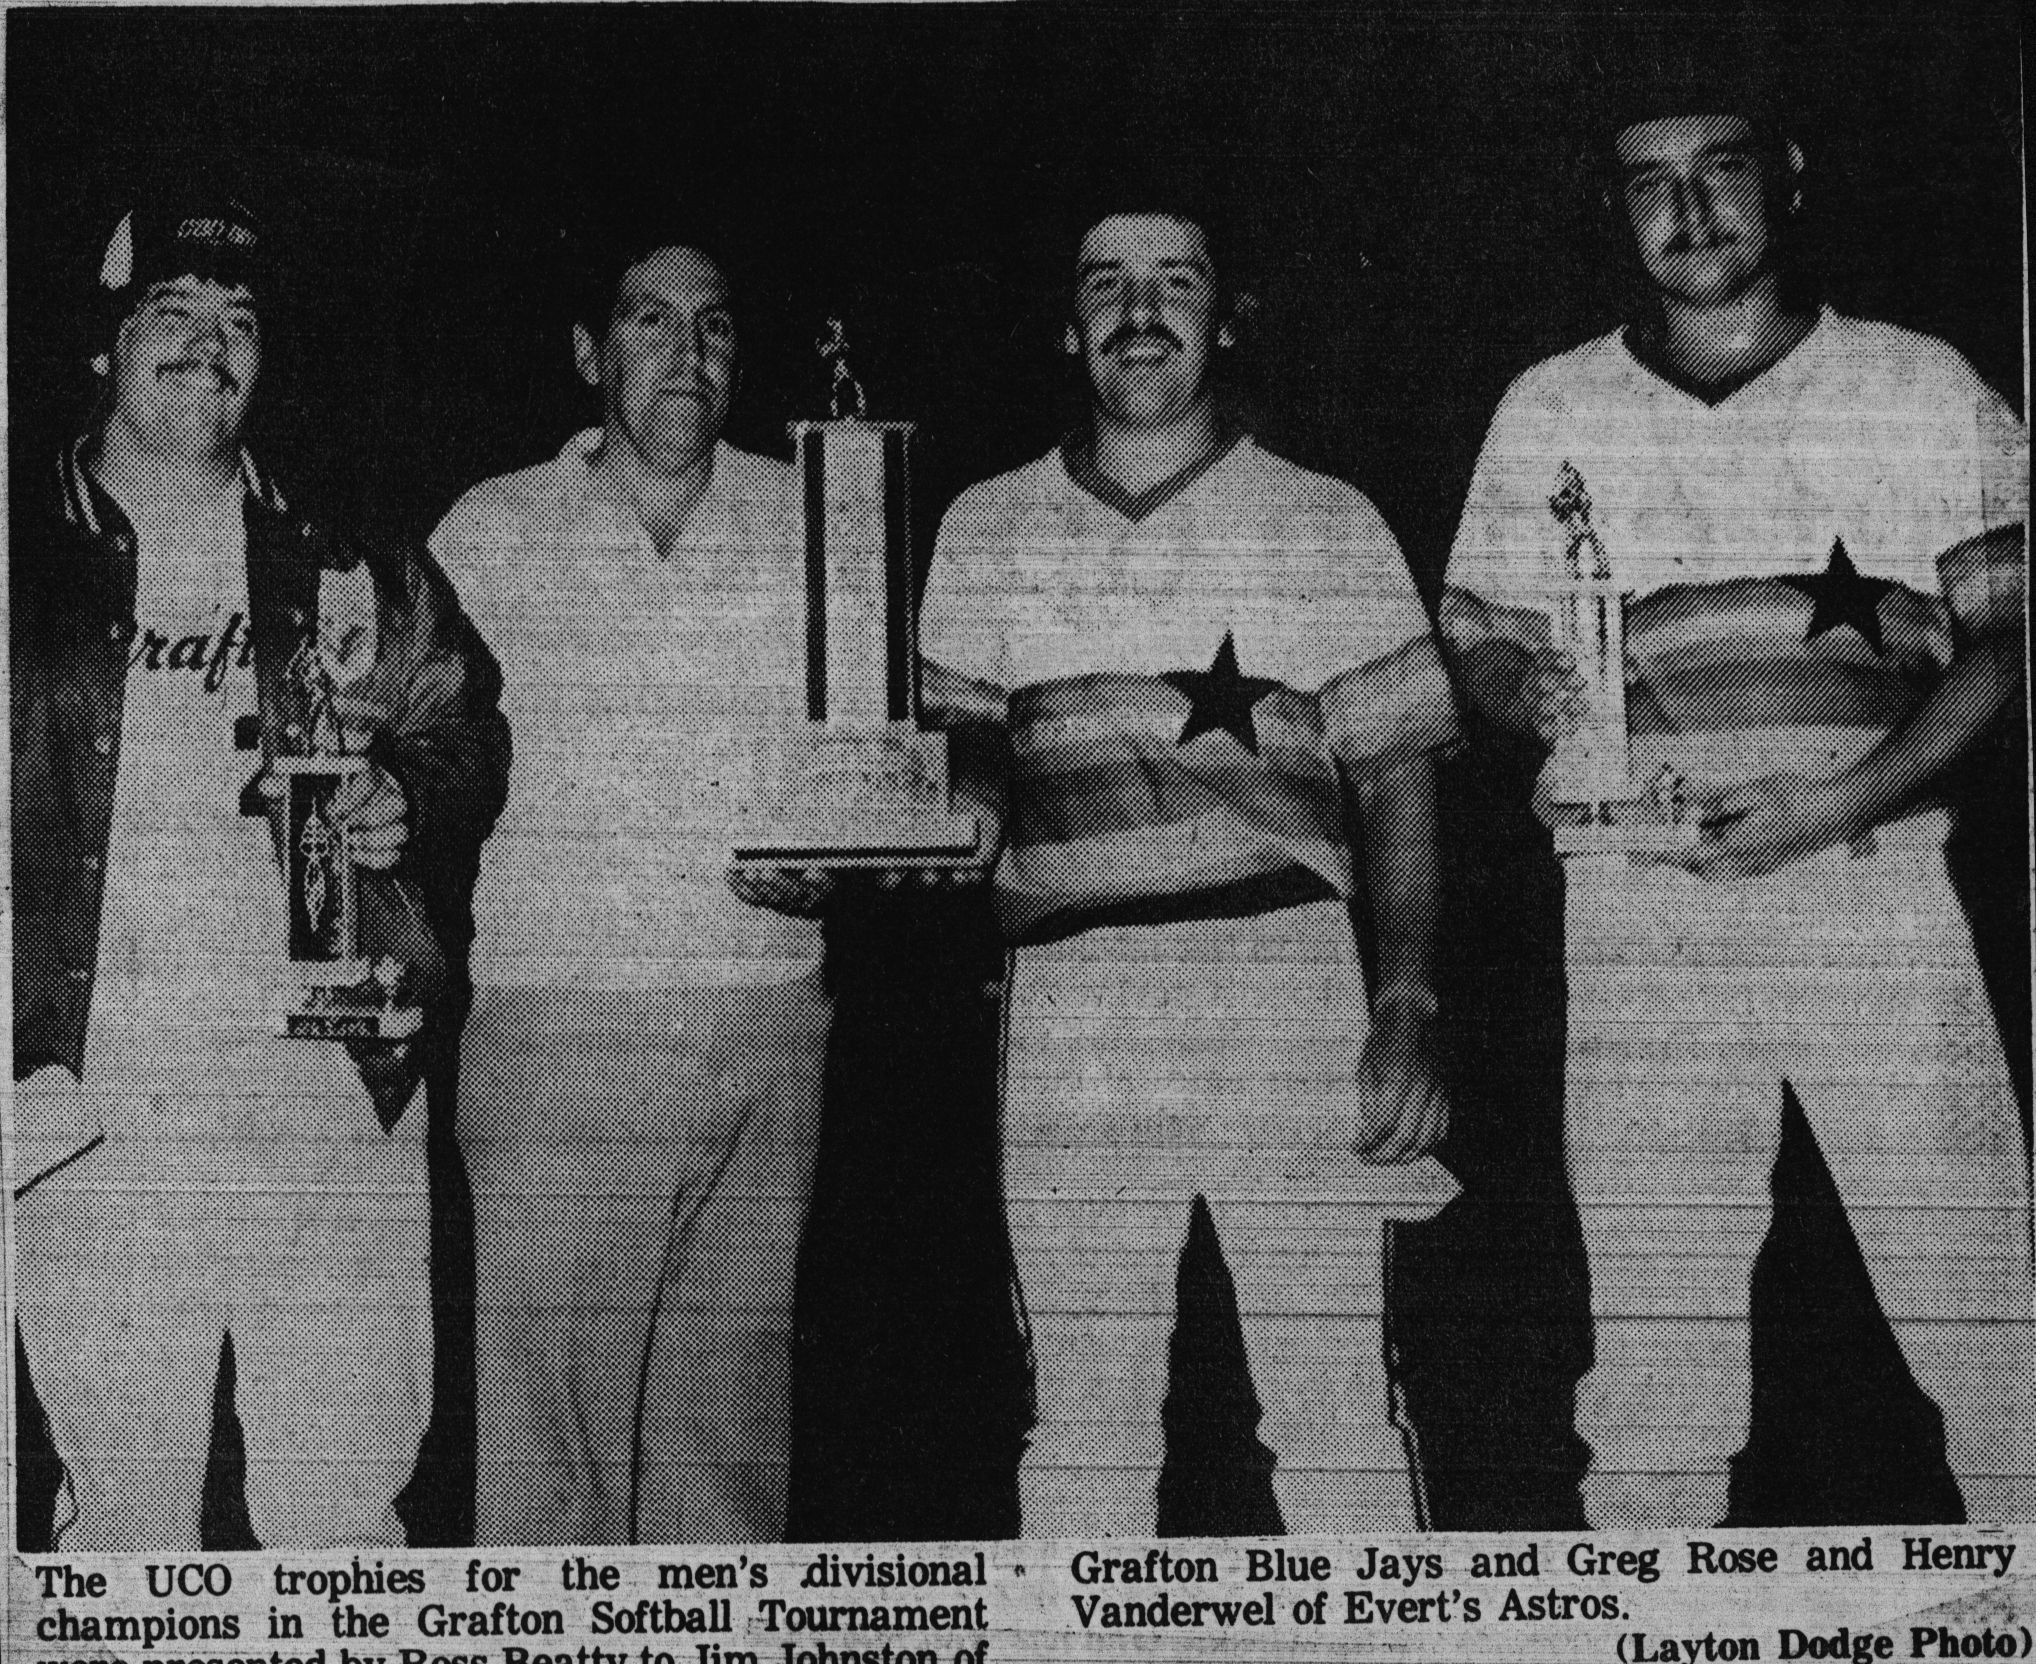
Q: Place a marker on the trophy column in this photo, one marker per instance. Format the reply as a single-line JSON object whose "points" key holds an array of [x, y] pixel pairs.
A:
{"points": [[1590, 775], [862, 664], [334, 992], [857, 784]]}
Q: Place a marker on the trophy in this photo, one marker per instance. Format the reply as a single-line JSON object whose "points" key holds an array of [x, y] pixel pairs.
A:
{"points": [[1601, 809], [334, 993], [857, 784]]}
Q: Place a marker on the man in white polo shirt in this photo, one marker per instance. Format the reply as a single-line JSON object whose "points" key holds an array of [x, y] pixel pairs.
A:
{"points": [[640, 1085], [1188, 1021], [1820, 523]]}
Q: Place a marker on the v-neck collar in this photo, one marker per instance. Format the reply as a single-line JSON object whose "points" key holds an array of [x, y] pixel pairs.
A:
{"points": [[1710, 394], [1078, 456]]}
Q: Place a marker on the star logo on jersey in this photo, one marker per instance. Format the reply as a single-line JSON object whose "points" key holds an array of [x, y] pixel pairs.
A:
{"points": [[1841, 595], [1220, 698]]}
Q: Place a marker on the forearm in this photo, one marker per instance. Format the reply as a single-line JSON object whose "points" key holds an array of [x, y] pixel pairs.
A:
{"points": [[1984, 580], [1401, 868], [1976, 689]]}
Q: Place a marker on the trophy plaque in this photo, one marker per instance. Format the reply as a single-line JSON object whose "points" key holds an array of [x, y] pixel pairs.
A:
{"points": [[334, 993], [857, 783], [1600, 808]]}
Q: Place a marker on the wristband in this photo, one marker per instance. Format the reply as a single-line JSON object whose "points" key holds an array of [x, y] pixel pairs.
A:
{"points": [[1416, 997]]}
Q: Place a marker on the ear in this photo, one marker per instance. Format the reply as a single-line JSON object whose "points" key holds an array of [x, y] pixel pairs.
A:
{"points": [[1226, 333], [102, 364], [1794, 154], [1071, 342], [586, 356]]}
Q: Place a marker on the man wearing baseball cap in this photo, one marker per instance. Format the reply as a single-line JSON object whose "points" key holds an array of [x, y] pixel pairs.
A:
{"points": [[1818, 524], [183, 1172]]}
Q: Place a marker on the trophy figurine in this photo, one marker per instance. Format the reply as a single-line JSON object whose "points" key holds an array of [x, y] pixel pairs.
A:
{"points": [[1590, 779], [857, 783], [334, 993]]}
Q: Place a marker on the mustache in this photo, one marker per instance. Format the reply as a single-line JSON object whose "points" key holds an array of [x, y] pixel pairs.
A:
{"points": [[226, 377], [1124, 334], [1683, 243]]}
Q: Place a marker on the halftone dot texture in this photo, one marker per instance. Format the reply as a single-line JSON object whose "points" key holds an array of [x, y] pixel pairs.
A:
{"points": [[244, 1188], [640, 1086], [641, 1165], [1782, 545], [1852, 978], [1155, 1057], [1149, 1065], [240, 1181]]}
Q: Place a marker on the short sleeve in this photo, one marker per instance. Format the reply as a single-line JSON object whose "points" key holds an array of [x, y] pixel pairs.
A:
{"points": [[1984, 578], [457, 543], [2003, 440], [960, 618], [479, 545], [1382, 680], [1501, 538], [1364, 603]]}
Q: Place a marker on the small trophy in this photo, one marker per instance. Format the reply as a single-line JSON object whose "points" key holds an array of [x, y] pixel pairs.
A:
{"points": [[857, 784], [1602, 810], [334, 993]]}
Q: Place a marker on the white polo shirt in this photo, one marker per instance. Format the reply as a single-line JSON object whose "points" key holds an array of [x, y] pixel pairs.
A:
{"points": [[637, 688]]}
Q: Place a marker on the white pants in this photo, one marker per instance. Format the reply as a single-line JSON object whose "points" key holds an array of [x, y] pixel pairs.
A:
{"points": [[1690, 1002], [1144, 1066], [240, 1187], [641, 1165]]}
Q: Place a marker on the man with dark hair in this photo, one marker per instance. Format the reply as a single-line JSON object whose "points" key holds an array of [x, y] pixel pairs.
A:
{"points": [[1819, 523], [640, 1087], [1221, 695], [181, 1173]]}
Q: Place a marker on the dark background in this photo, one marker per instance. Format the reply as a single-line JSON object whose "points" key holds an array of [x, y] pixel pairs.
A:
{"points": [[1409, 190]]}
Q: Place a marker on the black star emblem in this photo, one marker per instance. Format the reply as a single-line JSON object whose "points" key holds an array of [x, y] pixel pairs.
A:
{"points": [[1220, 698], [1841, 596]]}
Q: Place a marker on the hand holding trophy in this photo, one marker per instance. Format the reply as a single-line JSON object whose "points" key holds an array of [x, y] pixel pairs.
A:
{"points": [[858, 786], [332, 803]]}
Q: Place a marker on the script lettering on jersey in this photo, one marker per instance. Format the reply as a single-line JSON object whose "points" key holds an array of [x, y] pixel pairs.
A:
{"points": [[210, 654], [231, 647]]}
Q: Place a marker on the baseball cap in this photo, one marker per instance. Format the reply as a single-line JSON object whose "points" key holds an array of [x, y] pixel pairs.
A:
{"points": [[1655, 69], [213, 237]]}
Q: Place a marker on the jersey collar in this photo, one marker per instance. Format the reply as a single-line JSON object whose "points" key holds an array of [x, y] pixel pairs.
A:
{"points": [[1078, 456], [585, 497], [1642, 349]]}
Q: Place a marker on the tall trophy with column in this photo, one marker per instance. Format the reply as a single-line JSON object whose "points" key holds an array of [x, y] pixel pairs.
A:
{"points": [[333, 992], [1600, 807], [854, 782]]}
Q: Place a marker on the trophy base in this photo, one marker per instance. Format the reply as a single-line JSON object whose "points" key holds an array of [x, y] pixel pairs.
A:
{"points": [[1627, 837], [858, 799], [847, 843], [343, 1013]]}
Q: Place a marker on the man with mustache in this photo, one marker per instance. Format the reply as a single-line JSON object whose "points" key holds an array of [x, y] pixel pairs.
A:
{"points": [[1819, 521], [182, 1173], [640, 1086], [1153, 607]]}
